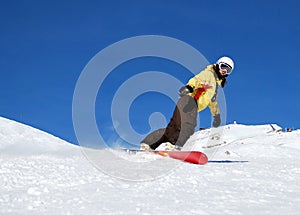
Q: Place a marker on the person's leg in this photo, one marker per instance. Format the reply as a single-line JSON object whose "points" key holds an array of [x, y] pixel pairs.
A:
{"points": [[180, 128], [183, 122], [155, 138]]}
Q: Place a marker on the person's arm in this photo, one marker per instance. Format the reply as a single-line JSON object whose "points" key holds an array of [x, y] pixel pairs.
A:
{"points": [[215, 112]]}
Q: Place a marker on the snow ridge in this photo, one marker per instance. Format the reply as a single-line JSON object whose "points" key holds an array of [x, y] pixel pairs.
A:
{"points": [[38, 176], [20, 139]]}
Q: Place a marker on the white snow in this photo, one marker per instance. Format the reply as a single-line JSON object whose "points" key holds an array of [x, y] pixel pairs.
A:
{"points": [[42, 174]]}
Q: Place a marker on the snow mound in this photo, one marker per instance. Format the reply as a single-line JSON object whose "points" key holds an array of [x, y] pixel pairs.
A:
{"points": [[20, 139], [228, 141], [49, 184]]}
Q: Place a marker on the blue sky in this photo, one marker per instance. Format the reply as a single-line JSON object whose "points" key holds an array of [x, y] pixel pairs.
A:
{"points": [[44, 46]]}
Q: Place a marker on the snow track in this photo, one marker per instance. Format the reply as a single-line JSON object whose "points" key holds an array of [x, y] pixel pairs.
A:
{"points": [[42, 174]]}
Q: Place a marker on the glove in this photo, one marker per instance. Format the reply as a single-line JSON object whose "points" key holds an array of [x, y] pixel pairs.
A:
{"points": [[185, 90], [217, 120]]}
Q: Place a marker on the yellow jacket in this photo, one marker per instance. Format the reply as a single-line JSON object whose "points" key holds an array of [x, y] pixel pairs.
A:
{"points": [[205, 85]]}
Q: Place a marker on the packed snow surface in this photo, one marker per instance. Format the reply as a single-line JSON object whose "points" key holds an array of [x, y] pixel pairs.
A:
{"points": [[42, 174]]}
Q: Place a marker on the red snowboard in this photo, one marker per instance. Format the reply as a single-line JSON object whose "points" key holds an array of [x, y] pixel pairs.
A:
{"points": [[194, 157]]}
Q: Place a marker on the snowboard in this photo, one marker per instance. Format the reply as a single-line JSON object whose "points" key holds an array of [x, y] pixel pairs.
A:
{"points": [[193, 157]]}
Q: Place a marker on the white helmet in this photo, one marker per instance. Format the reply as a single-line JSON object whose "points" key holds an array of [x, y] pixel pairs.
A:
{"points": [[226, 61]]}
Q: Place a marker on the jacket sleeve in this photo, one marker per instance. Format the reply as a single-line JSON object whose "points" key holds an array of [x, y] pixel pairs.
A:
{"points": [[197, 80], [214, 108]]}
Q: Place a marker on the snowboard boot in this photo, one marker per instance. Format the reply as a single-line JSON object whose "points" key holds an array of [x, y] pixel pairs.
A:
{"points": [[145, 147], [171, 147]]}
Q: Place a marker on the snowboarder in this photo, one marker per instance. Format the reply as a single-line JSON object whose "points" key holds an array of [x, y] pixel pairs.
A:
{"points": [[199, 93]]}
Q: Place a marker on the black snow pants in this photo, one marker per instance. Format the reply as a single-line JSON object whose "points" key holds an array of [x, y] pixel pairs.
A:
{"points": [[181, 126]]}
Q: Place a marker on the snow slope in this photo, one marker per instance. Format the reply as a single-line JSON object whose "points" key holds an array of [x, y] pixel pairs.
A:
{"points": [[42, 174]]}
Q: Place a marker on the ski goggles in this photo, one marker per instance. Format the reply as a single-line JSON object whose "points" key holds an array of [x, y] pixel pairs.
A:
{"points": [[225, 66]]}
